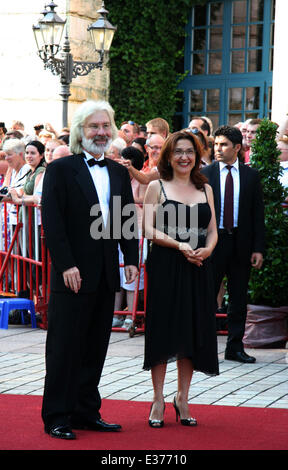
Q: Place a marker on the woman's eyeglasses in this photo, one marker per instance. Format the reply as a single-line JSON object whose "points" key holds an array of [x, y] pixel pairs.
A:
{"points": [[181, 153]]}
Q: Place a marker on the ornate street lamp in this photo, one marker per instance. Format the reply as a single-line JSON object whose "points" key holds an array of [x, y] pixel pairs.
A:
{"points": [[48, 33]]}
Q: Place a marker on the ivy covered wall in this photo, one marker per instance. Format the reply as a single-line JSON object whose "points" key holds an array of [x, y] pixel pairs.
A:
{"points": [[146, 57]]}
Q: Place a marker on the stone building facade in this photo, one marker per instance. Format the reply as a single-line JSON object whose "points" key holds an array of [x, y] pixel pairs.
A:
{"points": [[28, 92]]}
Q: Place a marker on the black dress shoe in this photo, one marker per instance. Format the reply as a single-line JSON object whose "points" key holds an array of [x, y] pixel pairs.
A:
{"points": [[61, 432], [96, 425], [239, 356]]}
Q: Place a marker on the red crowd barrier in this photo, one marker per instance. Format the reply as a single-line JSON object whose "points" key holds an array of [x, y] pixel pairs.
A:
{"points": [[24, 260], [137, 314], [25, 267]]}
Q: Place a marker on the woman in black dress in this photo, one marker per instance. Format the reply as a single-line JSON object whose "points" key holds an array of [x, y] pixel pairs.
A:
{"points": [[179, 218]]}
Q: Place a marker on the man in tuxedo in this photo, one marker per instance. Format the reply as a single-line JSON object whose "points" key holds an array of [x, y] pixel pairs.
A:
{"points": [[85, 268], [240, 218]]}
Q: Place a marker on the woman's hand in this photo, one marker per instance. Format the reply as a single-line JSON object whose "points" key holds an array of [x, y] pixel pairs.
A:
{"points": [[37, 200], [203, 252], [191, 255], [50, 128], [124, 162], [14, 196]]}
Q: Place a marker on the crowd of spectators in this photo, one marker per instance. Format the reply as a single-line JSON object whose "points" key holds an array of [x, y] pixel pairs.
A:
{"points": [[23, 161], [24, 157]]}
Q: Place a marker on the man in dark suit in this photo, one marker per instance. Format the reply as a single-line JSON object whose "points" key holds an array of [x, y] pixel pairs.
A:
{"points": [[85, 268], [240, 219]]}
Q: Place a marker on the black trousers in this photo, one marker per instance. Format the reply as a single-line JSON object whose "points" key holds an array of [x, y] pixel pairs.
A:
{"points": [[226, 262], [79, 328]]}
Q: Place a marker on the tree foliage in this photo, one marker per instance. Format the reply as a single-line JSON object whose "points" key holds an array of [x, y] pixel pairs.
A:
{"points": [[269, 286], [147, 47]]}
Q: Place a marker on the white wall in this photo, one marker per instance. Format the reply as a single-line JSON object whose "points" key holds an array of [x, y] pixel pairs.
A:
{"points": [[27, 92]]}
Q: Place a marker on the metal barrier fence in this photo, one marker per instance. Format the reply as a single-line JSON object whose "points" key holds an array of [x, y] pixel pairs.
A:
{"points": [[24, 259], [137, 313], [25, 265]]}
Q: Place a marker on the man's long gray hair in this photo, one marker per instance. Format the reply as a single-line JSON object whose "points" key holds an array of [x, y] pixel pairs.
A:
{"points": [[82, 113]]}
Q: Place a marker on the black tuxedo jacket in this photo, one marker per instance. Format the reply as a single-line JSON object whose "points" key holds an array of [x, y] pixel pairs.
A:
{"points": [[67, 198], [250, 236]]}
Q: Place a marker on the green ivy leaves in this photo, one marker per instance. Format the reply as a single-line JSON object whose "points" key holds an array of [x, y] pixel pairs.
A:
{"points": [[146, 49]]}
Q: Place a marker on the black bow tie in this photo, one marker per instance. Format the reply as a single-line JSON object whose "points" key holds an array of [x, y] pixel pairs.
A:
{"points": [[93, 162]]}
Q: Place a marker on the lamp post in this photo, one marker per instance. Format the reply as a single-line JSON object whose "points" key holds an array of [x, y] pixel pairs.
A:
{"points": [[48, 33]]}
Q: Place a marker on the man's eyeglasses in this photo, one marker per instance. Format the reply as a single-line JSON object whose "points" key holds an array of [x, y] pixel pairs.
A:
{"points": [[96, 127], [155, 147], [195, 130]]}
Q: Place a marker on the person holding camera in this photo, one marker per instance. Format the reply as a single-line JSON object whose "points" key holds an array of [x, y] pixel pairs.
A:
{"points": [[16, 174], [38, 128]]}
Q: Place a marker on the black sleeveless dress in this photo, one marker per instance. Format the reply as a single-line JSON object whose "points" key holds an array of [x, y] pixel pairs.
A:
{"points": [[180, 315]]}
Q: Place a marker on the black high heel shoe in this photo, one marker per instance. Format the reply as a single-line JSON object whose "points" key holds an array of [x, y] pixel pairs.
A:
{"points": [[156, 423], [186, 421]]}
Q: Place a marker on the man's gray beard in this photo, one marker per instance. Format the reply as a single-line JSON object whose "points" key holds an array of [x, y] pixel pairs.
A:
{"points": [[90, 146]]}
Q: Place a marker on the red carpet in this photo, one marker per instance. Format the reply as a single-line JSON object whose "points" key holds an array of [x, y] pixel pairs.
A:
{"points": [[219, 428]]}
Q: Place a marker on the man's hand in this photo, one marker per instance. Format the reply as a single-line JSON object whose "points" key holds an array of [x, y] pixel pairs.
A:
{"points": [[257, 260], [130, 273], [72, 279]]}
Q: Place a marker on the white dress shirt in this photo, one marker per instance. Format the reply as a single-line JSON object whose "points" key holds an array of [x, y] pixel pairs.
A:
{"points": [[101, 181], [236, 190]]}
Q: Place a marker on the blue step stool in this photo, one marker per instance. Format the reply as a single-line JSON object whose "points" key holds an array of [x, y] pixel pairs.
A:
{"points": [[13, 303]]}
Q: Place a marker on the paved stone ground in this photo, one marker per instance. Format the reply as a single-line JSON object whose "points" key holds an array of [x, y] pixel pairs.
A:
{"points": [[263, 384]]}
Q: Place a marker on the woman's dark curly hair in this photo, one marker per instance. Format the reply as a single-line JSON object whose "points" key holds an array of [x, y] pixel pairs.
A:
{"points": [[166, 170]]}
